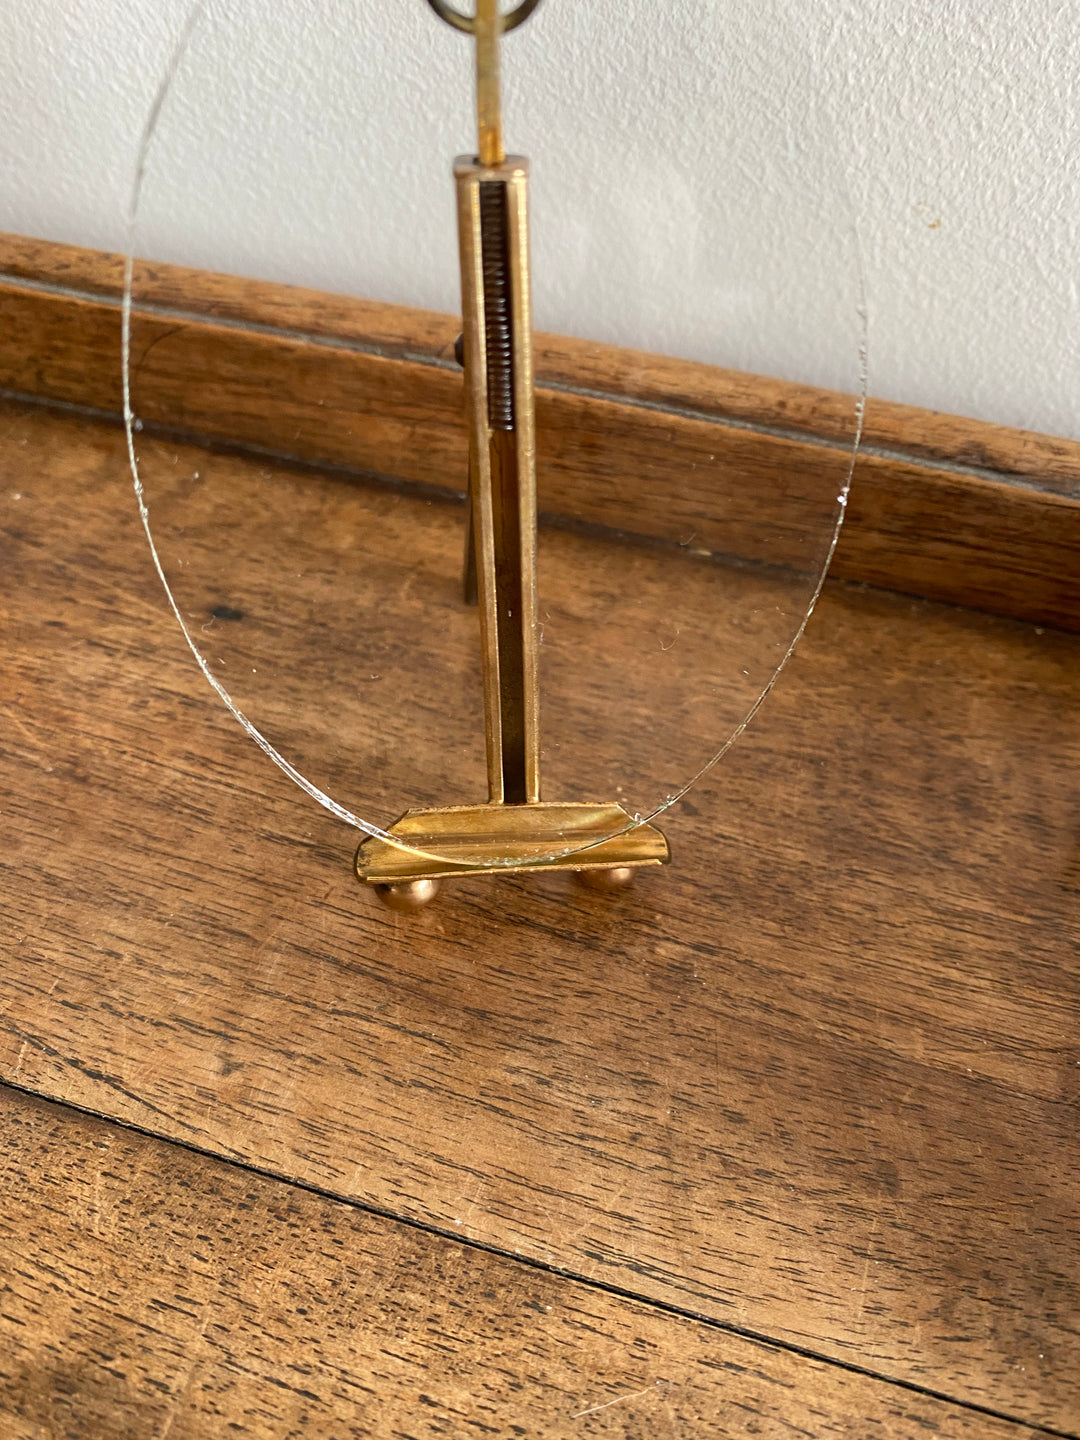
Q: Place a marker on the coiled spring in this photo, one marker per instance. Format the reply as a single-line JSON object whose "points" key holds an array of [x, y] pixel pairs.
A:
{"points": [[498, 332]]}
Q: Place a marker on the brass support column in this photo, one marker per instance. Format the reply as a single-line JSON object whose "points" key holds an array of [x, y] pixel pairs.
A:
{"points": [[493, 230]]}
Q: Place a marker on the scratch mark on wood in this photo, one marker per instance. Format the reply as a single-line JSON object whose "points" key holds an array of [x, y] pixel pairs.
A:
{"points": [[592, 1410]]}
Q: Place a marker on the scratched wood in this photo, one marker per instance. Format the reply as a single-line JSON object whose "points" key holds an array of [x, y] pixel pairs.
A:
{"points": [[941, 506], [818, 1079], [151, 1291]]}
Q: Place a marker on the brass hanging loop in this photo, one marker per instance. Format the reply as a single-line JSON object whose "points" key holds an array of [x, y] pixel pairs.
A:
{"points": [[487, 26], [467, 23]]}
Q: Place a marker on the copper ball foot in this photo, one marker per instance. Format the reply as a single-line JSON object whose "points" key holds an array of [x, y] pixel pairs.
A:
{"points": [[616, 877], [408, 896]]}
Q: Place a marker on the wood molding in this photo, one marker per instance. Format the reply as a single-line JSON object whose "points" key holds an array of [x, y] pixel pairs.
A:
{"points": [[941, 506]]}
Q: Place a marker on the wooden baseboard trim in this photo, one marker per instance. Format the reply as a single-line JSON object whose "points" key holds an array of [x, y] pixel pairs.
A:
{"points": [[943, 507]]}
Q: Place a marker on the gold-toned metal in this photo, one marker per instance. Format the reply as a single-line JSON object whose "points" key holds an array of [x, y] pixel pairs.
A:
{"points": [[472, 839], [466, 23], [486, 26], [409, 895], [618, 877], [502, 481], [486, 29], [514, 831]]}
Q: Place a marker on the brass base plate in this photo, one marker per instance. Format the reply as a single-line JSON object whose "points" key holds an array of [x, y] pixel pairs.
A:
{"points": [[459, 839]]}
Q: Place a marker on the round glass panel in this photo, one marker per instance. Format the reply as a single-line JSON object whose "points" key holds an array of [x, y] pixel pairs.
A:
{"points": [[307, 501]]}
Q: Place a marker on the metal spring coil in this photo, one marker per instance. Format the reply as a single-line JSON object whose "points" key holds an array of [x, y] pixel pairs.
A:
{"points": [[498, 335]]}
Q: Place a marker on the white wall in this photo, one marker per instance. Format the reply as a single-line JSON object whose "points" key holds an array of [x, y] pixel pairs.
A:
{"points": [[699, 169]]}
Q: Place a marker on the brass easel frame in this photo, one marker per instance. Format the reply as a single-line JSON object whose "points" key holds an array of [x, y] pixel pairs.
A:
{"points": [[514, 831]]}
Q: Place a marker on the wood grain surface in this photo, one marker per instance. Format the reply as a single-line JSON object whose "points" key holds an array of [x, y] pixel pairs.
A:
{"points": [[818, 1080], [148, 1291], [941, 506], [561, 359]]}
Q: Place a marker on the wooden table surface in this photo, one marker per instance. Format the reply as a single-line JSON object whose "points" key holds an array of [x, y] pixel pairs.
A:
{"points": [[782, 1141]]}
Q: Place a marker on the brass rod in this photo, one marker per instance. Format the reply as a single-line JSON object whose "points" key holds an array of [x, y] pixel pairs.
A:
{"points": [[487, 27]]}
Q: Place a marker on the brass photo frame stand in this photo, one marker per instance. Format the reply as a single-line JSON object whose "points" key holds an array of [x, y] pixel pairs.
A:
{"points": [[515, 830]]}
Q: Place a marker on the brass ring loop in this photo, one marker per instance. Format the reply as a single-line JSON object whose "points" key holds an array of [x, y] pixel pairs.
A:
{"points": [[467, 23]]}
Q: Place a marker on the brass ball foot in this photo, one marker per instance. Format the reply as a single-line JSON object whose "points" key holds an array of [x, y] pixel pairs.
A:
{"points": [[409, 895], [617, 877]]}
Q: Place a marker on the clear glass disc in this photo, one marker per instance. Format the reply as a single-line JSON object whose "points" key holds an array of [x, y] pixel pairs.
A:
{"points": [[688, 512]]}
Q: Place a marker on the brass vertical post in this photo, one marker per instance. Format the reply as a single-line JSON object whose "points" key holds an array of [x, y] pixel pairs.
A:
{"points": [[496, 306], [493, 238], [488, 107]]}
